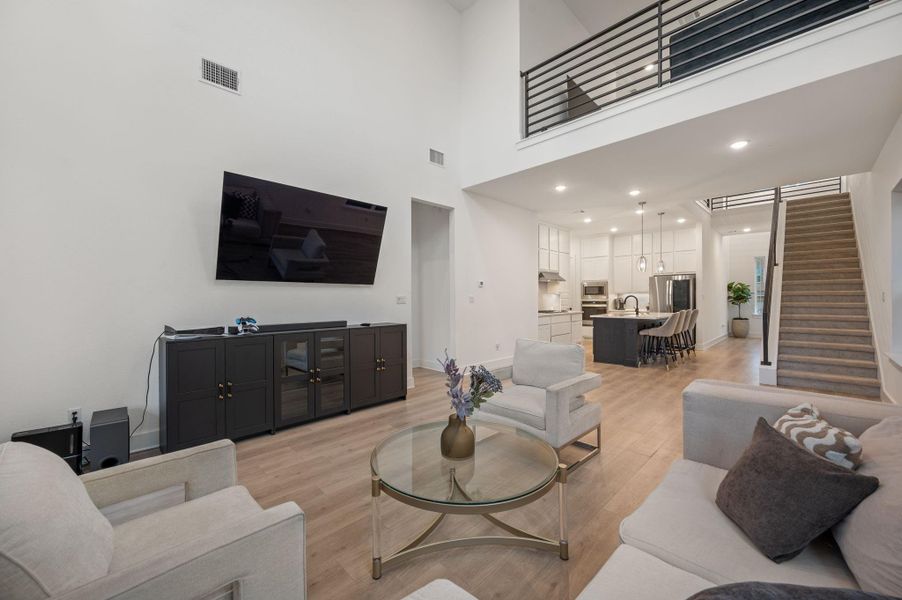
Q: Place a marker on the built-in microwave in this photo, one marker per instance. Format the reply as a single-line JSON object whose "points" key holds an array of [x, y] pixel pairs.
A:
{"points": [[595, 290]]}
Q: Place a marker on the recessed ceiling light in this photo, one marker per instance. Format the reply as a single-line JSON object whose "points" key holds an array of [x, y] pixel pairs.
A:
{"points": [[739, 144], [613, 230], [681, 220], [650, 67], [587, 220], [747, 229], [635, 192], [640, 211], [560, 188]]}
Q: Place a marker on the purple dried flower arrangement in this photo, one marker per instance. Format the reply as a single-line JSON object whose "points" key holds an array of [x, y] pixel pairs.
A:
{"points": [[483, 385]]}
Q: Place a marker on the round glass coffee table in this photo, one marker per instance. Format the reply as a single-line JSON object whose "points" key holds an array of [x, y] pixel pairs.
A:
{"points": [[510, 469]]}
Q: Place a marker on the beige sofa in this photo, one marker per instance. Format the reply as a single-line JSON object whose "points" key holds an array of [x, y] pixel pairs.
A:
{"points": [[172, 526], [678, 542]]}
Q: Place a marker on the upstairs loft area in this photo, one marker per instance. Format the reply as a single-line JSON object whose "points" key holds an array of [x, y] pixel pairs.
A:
{"points": [[664, 42]]}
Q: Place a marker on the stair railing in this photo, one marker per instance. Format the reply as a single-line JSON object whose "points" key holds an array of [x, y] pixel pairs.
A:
{"points": [[769, 282]]}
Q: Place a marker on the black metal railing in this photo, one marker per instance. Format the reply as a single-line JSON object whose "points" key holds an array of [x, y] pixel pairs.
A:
{"points": [[663, 42], [808, 189], [769, 281]]}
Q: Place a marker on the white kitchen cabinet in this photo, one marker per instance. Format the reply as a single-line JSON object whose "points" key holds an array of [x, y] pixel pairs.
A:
{"points": [[544, 332], [562, 328], [638, 248], [684, 239], [595, 269], [623, 245], [544, 259], [623, 278], [553, 239], [576, 328], [595, 246], [544, 237], [685, 262], [640, 279], [554, 262], [668, 262], [664, 242], [563, 237]]}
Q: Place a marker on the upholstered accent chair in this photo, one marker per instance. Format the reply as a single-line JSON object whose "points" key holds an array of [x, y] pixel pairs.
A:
{"points": [[171, 526], [546, 396]]}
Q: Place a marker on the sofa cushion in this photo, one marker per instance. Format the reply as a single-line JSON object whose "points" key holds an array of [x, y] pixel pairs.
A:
{"points": [[140, 539], [542, 364], [633, 574], [871, 537], [52, 537], [804, 426], [680, 524], [521, 403], [784, 496]]}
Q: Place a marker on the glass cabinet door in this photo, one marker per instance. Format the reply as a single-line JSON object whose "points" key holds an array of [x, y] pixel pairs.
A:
{"points": [[331, 372], [295, 379]]}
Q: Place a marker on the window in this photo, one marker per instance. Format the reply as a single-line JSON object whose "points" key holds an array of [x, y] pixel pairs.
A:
{"points": [[758, 290]]}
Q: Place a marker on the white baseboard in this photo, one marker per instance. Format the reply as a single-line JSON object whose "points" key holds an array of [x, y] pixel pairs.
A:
{"points": [[712, 343], [497, 363], [145, 440], [767, 375]]}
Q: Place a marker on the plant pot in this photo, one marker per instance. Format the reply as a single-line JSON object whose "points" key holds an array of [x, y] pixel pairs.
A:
{"points": [[458, 440], [740, 327]]}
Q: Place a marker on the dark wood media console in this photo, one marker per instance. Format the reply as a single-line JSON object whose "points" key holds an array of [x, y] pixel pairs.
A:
{"points": [[234, 386]]}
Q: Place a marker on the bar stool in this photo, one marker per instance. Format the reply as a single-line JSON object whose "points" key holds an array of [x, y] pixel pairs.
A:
{"points": [[690, 329], [678, 342], [657, 339]]}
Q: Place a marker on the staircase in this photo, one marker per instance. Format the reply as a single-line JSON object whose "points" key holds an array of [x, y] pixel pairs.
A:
{"points": [[825, 332]]}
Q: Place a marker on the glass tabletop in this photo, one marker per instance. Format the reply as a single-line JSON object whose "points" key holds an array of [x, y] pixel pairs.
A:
{"points": [[508, 464]]}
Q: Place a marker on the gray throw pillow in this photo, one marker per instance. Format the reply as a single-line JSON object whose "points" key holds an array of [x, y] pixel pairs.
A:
{"points": [[783, 497], [871, 537], [313, 246], [756, 590]]}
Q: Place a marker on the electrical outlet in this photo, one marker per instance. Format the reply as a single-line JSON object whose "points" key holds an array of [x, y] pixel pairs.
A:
{"points": [[472, 299], [402, 299], [73, 415], [482, 284]]}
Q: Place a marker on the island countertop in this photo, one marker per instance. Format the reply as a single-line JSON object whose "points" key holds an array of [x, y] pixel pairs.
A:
{"points": [[642, 316]]}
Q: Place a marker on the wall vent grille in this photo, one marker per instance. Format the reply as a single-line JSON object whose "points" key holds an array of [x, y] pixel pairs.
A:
{"points": [[436, 157], [219, 75]]}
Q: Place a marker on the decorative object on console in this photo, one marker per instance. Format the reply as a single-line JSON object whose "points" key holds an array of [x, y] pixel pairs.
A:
{"points": [[739, 293], [803, 425], [869, 538], [458, 440], [775, 481], [247, 325]]}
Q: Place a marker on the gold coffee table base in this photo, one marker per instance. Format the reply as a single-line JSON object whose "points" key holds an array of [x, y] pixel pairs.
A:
{"points": [[518, 538]]}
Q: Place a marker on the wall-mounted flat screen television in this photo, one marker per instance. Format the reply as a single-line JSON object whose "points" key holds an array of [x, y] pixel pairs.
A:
{"points": [[274, 232]]}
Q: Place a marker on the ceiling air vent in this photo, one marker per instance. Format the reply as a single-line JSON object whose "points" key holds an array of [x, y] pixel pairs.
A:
{"points": [[436, 157], [219, 75]]}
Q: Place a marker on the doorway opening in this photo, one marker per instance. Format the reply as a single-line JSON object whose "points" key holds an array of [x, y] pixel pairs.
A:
{"points": [[431, 284]]}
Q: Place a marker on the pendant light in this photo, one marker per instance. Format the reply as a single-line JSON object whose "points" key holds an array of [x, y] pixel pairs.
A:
{"points": [[661, 267], [642, 265]]}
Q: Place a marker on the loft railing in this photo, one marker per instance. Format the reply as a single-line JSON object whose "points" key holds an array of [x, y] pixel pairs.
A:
{"points": [[662, 43], [808, 189]]}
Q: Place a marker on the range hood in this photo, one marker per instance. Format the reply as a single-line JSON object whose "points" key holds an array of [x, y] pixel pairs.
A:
{"points": [[545, 276]]}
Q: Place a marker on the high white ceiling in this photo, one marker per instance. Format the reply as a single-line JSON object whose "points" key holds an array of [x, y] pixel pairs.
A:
{"points": [[836, 126], [461, 5]]}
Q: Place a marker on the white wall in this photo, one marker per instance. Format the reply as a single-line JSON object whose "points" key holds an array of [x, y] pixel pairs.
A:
{"points": [[712, 286], [431, 299], [739, 252], [112, 153], [878, 221], [546, 28]]}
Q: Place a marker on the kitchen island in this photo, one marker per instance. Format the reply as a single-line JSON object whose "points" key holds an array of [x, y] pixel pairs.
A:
{"points": [[615, 335]]}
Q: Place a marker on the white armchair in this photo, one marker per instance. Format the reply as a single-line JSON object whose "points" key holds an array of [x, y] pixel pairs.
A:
{"points": [[547, 396], [172, 526]]}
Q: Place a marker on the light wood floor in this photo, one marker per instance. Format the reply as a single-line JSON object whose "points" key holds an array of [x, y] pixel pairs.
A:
{"points": [[324, 467]]}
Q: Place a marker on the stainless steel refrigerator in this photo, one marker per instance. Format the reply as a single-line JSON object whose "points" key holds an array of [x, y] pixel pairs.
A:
{"points": [[670, 293]]}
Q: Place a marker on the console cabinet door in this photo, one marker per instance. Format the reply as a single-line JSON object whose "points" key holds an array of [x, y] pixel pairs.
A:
{"points": [[364, 378], [393, 355], [248, 386], [331, 372], [195, 394], [294, 380]]}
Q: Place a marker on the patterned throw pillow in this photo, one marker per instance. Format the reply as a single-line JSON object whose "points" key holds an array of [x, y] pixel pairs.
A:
{"points": [[248, 207], [804, 425]]}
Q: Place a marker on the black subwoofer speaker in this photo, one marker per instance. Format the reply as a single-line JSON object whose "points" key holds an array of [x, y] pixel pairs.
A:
{"points": [[109, 438]]}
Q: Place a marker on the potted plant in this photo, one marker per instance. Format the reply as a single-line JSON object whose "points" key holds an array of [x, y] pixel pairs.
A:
{"points": [[458, 441], [739, 293]]}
